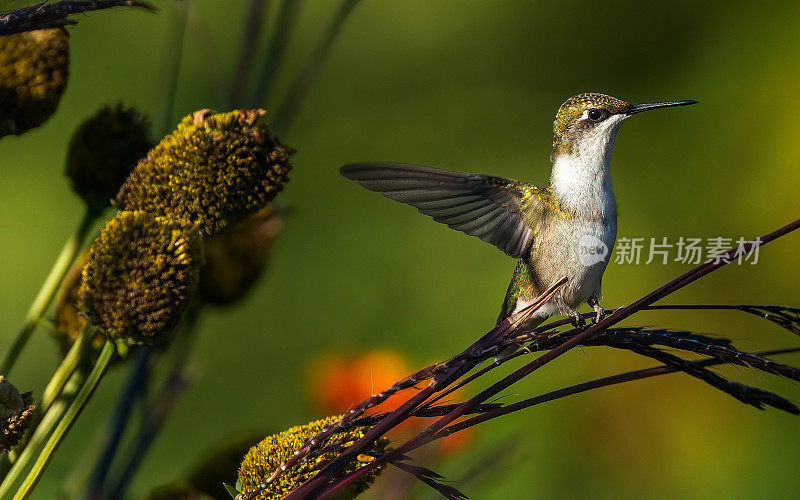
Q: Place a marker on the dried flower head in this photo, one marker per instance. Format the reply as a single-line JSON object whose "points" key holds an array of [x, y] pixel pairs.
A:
{"points": [[236, 257], [16, 412], [139, 275], [33, 74], [270, 453], [212, 171], [104, 150]]}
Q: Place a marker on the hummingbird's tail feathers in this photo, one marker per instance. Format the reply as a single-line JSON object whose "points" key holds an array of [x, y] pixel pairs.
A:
{"points": [[479, 205]]}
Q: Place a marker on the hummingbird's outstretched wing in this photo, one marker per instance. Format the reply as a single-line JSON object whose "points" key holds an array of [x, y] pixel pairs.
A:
{"points": [[496, 210]]}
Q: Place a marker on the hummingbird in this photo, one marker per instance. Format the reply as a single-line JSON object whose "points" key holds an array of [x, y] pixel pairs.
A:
{"points": [[566, 229]]}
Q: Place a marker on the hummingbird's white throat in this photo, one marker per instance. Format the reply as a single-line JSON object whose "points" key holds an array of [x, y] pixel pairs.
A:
{"points": [[581, 178]]}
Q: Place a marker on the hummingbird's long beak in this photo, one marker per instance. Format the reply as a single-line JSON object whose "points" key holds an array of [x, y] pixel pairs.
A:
{"points": [[638, 108]]}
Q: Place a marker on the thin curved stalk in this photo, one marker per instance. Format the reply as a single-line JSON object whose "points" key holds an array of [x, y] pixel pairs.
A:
{"points": [[66, 368], [137, 382], [583, 387], [301, 85], [75, 408], [157, 411], [176, 36], [48, 291], [285, 21], [254, 21]]}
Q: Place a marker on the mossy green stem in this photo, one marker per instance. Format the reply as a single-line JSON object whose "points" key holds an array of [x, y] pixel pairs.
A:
{"points": [[67, 367], [72, 413], [48, 291]]}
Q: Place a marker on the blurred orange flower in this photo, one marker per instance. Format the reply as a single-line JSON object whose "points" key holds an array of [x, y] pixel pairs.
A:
{"points": [[338, 381]]}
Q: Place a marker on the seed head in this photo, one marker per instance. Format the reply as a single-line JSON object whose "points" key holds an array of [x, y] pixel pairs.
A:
{"points": [[139, 275], [269, 454], [104, 150], [34, 67], [212, 171], [236, 257], [16, 412]]}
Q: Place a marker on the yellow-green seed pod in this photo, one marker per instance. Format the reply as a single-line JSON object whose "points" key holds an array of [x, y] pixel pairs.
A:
{"points": [[236, 257], [104, 150], [212, 171], [269, 454], [139, 276], [16, 412], [33, 74]]}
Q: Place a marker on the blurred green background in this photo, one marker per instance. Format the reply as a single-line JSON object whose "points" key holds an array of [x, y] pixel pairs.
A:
{"points": [[467, 85]]}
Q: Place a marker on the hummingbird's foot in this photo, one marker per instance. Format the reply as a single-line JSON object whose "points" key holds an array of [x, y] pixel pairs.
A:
{"points": [[600, 313], [577, 320]]}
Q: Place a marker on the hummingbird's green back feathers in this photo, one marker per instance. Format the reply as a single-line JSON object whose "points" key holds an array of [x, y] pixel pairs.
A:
{"points": [[500, 211]]}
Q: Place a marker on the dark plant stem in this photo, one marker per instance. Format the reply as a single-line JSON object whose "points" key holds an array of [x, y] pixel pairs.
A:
{"points": [[746, 394], [203, 40], [254, 22], [686, 341], [284, 24], [174, 55], [320, 486], [176, 384], [587, 386], [119, 421], [301, 85], [54, 15], [156, 413], [623, 338]]}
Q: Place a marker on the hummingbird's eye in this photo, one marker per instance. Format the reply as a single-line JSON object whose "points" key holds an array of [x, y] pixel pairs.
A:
{"points": [[597, 115]]}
